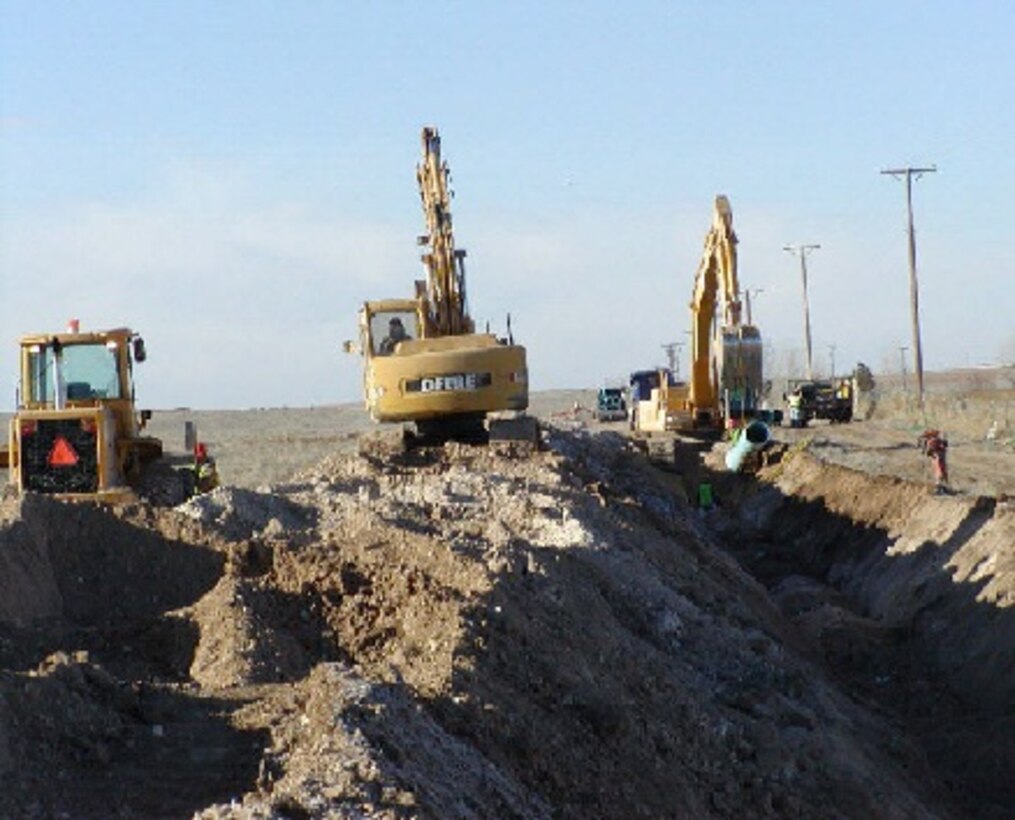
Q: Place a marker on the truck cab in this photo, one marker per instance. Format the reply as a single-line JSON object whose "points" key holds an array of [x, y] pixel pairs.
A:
{"points": [[610, 404]]}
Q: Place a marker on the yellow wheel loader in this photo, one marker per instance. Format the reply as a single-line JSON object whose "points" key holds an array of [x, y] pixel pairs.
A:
{"points": [[423, 361], [76, 433]]}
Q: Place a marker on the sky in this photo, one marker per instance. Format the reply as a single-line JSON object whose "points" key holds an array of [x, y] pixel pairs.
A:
{"points": [[234, 179]]}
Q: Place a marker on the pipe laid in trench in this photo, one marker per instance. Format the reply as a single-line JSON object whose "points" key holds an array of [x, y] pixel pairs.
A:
{"points": [[753, 437]]}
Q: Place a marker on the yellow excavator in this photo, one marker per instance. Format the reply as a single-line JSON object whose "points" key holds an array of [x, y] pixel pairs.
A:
{"points": [[725, 380], [424, 363]]}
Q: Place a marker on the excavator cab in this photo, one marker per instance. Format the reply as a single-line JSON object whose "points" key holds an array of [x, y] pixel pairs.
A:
{"points": [[388, 328], [410, 376]]}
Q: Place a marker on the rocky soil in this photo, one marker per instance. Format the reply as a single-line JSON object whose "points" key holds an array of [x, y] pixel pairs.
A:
{"points": [[472, 632]]}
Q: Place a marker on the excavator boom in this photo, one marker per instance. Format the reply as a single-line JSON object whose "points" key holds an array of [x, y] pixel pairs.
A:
{"points": [[444, 287]]}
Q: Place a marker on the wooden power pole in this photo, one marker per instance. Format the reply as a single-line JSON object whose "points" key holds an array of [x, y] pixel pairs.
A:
{"points": [[802, 250], [914, 290], [672, 352]]}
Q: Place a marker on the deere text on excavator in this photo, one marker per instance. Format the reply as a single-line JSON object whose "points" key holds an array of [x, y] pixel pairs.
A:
{"points": [[423, 361], [726, 361]]}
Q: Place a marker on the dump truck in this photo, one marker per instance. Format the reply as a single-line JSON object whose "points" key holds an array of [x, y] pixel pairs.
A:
{"points": [[76, 432], [425, 365]]}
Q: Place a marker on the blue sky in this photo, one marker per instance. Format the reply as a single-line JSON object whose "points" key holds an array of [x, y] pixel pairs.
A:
{"points": [[233, 179]]}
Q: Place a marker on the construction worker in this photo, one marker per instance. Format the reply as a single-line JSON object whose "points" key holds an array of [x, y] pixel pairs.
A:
{"points": [[634, 396], [795, 400], [706, 501], [935, 447], [206, 476]]}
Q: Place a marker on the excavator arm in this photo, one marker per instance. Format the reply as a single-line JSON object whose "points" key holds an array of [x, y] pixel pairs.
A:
{"points": [[444, 288]]}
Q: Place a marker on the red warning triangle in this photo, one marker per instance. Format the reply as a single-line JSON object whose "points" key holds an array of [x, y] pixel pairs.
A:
{"points": [[62, 454]]}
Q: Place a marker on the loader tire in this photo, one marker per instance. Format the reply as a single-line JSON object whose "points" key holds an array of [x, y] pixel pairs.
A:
{"points": [[163, 485]]}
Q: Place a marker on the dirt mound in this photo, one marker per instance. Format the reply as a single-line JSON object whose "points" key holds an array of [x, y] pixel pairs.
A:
{"points": [[451, 632]]}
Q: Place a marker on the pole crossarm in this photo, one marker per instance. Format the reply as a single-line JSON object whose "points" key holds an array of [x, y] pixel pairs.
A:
{"points": [[901, 172]]}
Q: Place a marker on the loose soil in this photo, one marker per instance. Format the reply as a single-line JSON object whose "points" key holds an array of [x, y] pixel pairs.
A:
{"points": [[479, 632]]}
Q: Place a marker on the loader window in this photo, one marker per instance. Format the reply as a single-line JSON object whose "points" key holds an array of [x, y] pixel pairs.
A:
{"points": [[92, 368], [389, 328], [87, 371]]}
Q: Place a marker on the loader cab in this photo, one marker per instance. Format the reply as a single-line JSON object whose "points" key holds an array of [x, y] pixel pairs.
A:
{"points": [[67, 371], [76, 432], [72, 373]]}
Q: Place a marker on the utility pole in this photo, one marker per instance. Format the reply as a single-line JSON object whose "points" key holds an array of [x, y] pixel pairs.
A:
{"points": [[914, 295], [672, 352], [747, 299], [802, 250], [902, 366], [831, 355]]}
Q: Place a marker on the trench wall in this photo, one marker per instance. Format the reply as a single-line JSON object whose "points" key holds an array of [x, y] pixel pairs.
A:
{"points": [[942, 567]]}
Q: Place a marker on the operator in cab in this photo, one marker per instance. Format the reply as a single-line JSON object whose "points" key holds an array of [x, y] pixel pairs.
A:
{"points": [[396, 334]]}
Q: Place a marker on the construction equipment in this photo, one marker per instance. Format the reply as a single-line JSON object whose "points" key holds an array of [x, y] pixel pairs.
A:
{"points": [[658, 401], [610, 404], [830, 399], [76, 433], [423, 361], [726, 360]]}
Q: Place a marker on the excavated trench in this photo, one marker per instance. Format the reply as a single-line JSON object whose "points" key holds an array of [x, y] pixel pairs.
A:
{"points": [[95, 659], [907, 597]]}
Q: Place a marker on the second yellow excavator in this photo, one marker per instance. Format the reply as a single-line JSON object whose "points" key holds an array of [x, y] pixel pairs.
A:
{"points": [[424, 363], [726, 380]]}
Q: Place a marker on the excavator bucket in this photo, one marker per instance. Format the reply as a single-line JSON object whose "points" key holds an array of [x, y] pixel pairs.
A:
{"points": [[739, 367]]}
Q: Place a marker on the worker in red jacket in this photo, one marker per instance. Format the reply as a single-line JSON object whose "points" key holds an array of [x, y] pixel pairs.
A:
{"points": [[935, 447]]}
